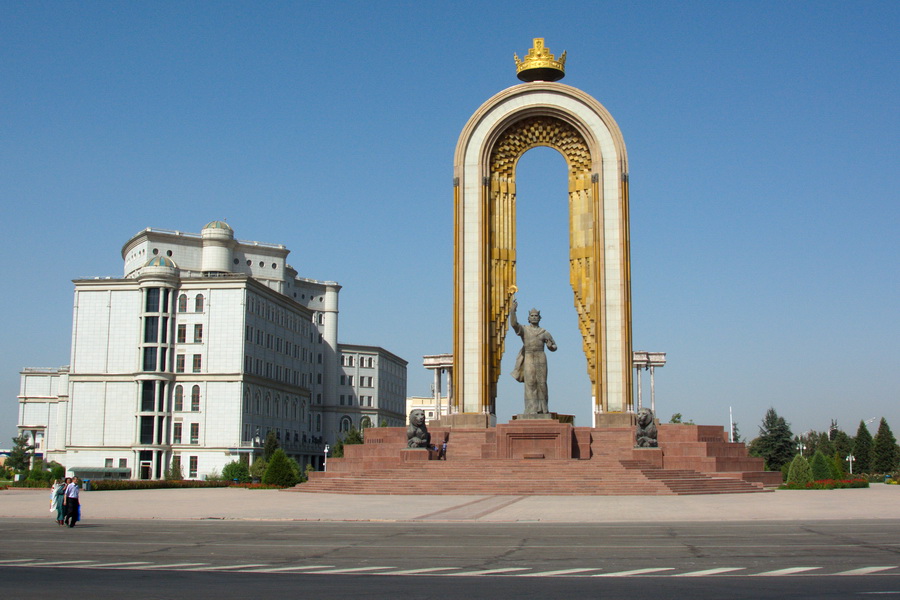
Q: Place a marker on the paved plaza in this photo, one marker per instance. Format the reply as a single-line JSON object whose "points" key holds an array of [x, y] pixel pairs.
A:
{"points": [[878, 502]]}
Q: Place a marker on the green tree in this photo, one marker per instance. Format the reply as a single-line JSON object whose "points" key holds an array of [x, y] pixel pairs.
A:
{"points": [[258, 468], [774, 444], [885, 453], [862, 449], [236, 470], [799, 471], [174, 472], [843, 445], [354, 436], [270, 446], [280, 471], [19, 458], [735, 433], [837, 466], [821, 467]]}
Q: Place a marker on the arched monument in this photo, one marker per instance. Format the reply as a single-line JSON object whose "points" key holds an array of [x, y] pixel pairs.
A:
{"points": [[541, 112]]}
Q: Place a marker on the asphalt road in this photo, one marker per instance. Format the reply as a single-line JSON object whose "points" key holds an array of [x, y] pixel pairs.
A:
{"points": [[241, 559]]}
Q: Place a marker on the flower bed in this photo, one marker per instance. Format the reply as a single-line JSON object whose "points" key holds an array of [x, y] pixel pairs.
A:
{"points": [[827, 484]]}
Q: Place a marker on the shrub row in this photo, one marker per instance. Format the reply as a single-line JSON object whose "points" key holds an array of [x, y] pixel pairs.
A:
{"points": [[152, 484], [827, 484]]}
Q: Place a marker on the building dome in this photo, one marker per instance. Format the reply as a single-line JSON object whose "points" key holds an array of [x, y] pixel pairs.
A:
{"points": [[218, 225], [161, 261]]}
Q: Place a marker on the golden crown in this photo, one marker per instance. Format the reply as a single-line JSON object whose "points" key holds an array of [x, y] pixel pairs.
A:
{"points": [[540, 65]]}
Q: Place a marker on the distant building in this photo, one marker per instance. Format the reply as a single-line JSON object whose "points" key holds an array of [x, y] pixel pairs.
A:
{"points": [[205, 345]]}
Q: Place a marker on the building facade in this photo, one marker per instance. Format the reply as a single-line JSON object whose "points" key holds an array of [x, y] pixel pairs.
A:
{"points": [[205, 345]]}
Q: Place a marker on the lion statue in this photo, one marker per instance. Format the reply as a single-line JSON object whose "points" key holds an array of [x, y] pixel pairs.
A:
{"points": [[646, 434], [417, 435]]}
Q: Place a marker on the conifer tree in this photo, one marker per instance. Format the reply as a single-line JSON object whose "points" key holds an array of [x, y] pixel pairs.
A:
{"points": [[774, 443], [279, 470], [862, 449], [885, 453], [821, 467], [799, 471]]}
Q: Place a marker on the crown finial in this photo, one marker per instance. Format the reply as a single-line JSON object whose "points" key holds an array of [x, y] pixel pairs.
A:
{"points": [[540, 65]]}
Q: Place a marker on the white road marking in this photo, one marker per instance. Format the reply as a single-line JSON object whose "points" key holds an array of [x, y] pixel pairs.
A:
{"points": [[16, 560], [420, 571], [558, 573], [59, 563], [351, 570], [487, 572], [707, 572], [227, 567], [117, 565], [634, 572], [865, 570], [782, 572], [286, 569], [174, 566]]}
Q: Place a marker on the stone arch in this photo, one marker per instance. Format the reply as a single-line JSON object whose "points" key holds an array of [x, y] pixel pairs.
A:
{"points": [[497, 135]]}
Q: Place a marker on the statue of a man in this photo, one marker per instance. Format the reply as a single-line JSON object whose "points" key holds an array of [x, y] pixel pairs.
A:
{"points": [[531, 363]]}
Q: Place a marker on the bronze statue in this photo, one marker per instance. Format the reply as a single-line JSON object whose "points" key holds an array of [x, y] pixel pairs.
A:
{"points": [[417, 435], [646, 433], [531, 363]]}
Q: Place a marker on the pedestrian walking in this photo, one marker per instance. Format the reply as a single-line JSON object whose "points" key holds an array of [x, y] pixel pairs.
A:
{"points": [[71, 500], [56, 500]]}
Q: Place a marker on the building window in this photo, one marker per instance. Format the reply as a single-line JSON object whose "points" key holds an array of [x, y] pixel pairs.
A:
{"points": [[152, 300], [151, 329], [342, 399], [181, 335], [198, 333], [179, 398], [176, 433], [249, 334], [195, 398], [192, 466], [109, 463], [198, 303], [197, 363], [147, 396], [318, 423], [123, 463], [146, 430], [195, 433], [182, 303], [150, 359], [346, 423], [179, 363], [350, 380]]}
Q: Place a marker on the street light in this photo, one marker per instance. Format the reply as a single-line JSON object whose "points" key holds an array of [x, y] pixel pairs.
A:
{"points": [[801, 447], [850, 459], [325, 462]]}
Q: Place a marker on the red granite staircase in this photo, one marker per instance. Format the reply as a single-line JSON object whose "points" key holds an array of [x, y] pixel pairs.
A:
{"points": [[689, 461]]}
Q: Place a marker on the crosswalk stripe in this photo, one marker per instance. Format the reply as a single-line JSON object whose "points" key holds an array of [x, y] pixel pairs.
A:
{"points": [[420, 571], [634, 572], [227, 567], [351, 570], [865, 570], [782, 572], [115, 565], [286, 569], [707, 572], [487, 572], [558, 573], [174, 565]]}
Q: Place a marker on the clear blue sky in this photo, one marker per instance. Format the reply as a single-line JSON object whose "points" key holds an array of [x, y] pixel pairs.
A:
{"points": [[762, 140]]}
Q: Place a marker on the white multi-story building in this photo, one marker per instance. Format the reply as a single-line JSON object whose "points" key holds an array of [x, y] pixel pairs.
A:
{"points": [[205, 345]]}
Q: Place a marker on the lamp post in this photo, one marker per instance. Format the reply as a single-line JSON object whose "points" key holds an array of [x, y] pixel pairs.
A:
{"points": [[850, 459], [325, 462], [801, 447]]}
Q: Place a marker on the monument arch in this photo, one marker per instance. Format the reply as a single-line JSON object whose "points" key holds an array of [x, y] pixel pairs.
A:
{"points": [[541, 113]]}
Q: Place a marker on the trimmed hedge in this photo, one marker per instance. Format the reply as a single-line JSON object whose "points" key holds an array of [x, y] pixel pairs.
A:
{"points": [[827, 484], [99, 485]]}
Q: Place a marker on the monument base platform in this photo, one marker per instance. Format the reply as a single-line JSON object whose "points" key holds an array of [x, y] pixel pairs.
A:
{"points": [[464, 421], [546, 457]]}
